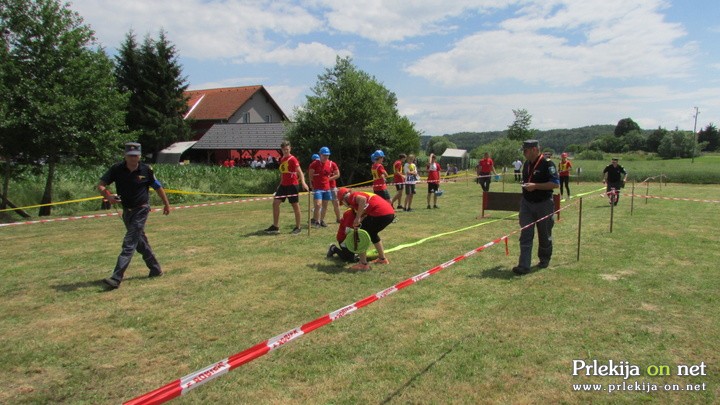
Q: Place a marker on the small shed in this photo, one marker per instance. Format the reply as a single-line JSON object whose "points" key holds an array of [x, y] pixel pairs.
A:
{"points": [[173, 153], [458, 157]]}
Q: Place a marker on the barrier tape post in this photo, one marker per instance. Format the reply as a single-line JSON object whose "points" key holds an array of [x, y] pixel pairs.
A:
{"points": [[632, 199], [579, 228], [647, 191], [310, 203], [613, 198], [661, 177]]}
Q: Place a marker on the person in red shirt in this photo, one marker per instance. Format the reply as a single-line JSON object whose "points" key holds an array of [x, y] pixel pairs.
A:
{"points": [[484, 168], [346, 225], [564, 172], [373, 214], [290, 172], [379, 175], [399, 180], [320, 173], [433, 180]]}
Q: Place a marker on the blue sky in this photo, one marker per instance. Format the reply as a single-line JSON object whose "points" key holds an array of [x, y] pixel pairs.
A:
{"points": [[455, 65]]}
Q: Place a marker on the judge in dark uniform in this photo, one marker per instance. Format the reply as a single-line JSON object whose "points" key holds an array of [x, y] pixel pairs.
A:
{"points": [[540, 178], [614, 177], [132, 179]]}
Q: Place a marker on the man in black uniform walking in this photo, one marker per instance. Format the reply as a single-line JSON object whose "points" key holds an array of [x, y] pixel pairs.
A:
{"points": [[540, 178], [612, 177], [132, 179]]}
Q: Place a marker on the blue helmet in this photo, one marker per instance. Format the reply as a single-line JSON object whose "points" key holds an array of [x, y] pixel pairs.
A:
{"points": [[379, 153], [324, 150], [315, 156], [373, 156]]}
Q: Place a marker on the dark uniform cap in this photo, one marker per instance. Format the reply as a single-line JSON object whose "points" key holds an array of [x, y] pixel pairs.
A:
{"points": [[530, 143], [133, 148], [615, 159]]}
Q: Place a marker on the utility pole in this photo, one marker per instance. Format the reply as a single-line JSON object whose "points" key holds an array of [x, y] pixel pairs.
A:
{"points": [[692, 160]]}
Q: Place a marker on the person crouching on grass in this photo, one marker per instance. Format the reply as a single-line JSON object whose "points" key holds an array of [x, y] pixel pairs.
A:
{"points": [[346, 225], [373, 214]]}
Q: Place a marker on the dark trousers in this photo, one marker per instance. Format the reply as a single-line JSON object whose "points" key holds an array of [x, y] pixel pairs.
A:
{"points": [[566, 181], [484, 181], [135, 239], [529, 213], [518, 176]]}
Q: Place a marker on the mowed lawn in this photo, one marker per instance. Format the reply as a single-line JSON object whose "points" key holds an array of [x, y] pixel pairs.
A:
{"points": [[646, 294]]}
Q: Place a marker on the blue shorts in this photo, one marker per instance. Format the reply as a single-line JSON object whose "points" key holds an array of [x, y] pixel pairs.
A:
{"points": [[325, 195]]}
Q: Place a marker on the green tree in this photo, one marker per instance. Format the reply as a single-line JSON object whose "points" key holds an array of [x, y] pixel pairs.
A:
{"points": [[520, 129], [608, 143], [710, 136], [152, 74], [634, 141], [353, 114], [438, 145], [677, 144], [504, 151], [654, 139], [624, 126], [62, 102]]}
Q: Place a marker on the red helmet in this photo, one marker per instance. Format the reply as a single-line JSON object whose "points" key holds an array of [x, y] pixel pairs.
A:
{"points": [[341, 194], [563, 155]]}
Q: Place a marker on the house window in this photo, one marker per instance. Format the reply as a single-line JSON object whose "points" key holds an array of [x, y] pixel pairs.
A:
{"points": [[246, 118], [268, 118]]}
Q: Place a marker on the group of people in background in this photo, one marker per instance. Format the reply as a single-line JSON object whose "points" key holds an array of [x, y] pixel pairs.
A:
{"points": [[369, 212], [257, 163]]}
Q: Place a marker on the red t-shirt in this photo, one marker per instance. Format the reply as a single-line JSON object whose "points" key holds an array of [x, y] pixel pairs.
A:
{"points": [[433, 171], [288, 170], [376, 205], [564, 168], [321, 174], [398, 171], [334, 168], [378, 180], [486, 165], [346, 222]]}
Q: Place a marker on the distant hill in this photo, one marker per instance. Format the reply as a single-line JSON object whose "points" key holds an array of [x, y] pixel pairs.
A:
{"points": [[557, 139]]}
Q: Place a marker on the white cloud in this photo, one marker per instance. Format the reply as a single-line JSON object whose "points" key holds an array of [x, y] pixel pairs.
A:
{"points": [[389, 21], [565, 43], [200, 29], [304, 54]]}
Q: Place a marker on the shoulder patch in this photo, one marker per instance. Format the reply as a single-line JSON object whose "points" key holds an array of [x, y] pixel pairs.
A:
{"points": [[551, 169]]}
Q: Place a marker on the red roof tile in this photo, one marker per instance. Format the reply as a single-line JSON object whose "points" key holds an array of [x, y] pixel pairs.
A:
{"points": [[218, 104]]}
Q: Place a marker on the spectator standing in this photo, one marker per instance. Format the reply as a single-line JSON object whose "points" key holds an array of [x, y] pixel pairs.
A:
{"points": [[132, 179], [485, 167], [399, 180], [517, 169], [564, 171], [614, 177], [379, 175], [411, 178], [290, 174], [433, 180], [320, 172], [540, 178]]}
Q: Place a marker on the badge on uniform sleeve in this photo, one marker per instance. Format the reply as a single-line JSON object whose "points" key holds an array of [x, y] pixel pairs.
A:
{"points": [[552, 169]]}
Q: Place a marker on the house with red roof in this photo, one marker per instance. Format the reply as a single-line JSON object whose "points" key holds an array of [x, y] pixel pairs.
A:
{"points": [[237, 123]]}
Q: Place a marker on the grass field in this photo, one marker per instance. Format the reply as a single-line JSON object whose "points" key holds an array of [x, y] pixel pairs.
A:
{"points": [[646, 294]]}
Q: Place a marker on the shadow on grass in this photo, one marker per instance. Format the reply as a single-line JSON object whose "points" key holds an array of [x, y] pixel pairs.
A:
{"points": [[414, 378], [499, 272], [92, 283], [334, 267]]}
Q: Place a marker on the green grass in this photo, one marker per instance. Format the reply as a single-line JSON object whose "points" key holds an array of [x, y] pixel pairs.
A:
{"points": [[647, 293]]}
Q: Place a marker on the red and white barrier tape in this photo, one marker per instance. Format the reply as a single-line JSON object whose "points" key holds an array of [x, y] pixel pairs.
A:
{"points": [[671, 198], [185, 384]]}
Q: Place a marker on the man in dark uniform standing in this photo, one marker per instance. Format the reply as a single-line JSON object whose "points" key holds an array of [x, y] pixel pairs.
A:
{"points": [[540, 178], [132, 179], [612, 177]]}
